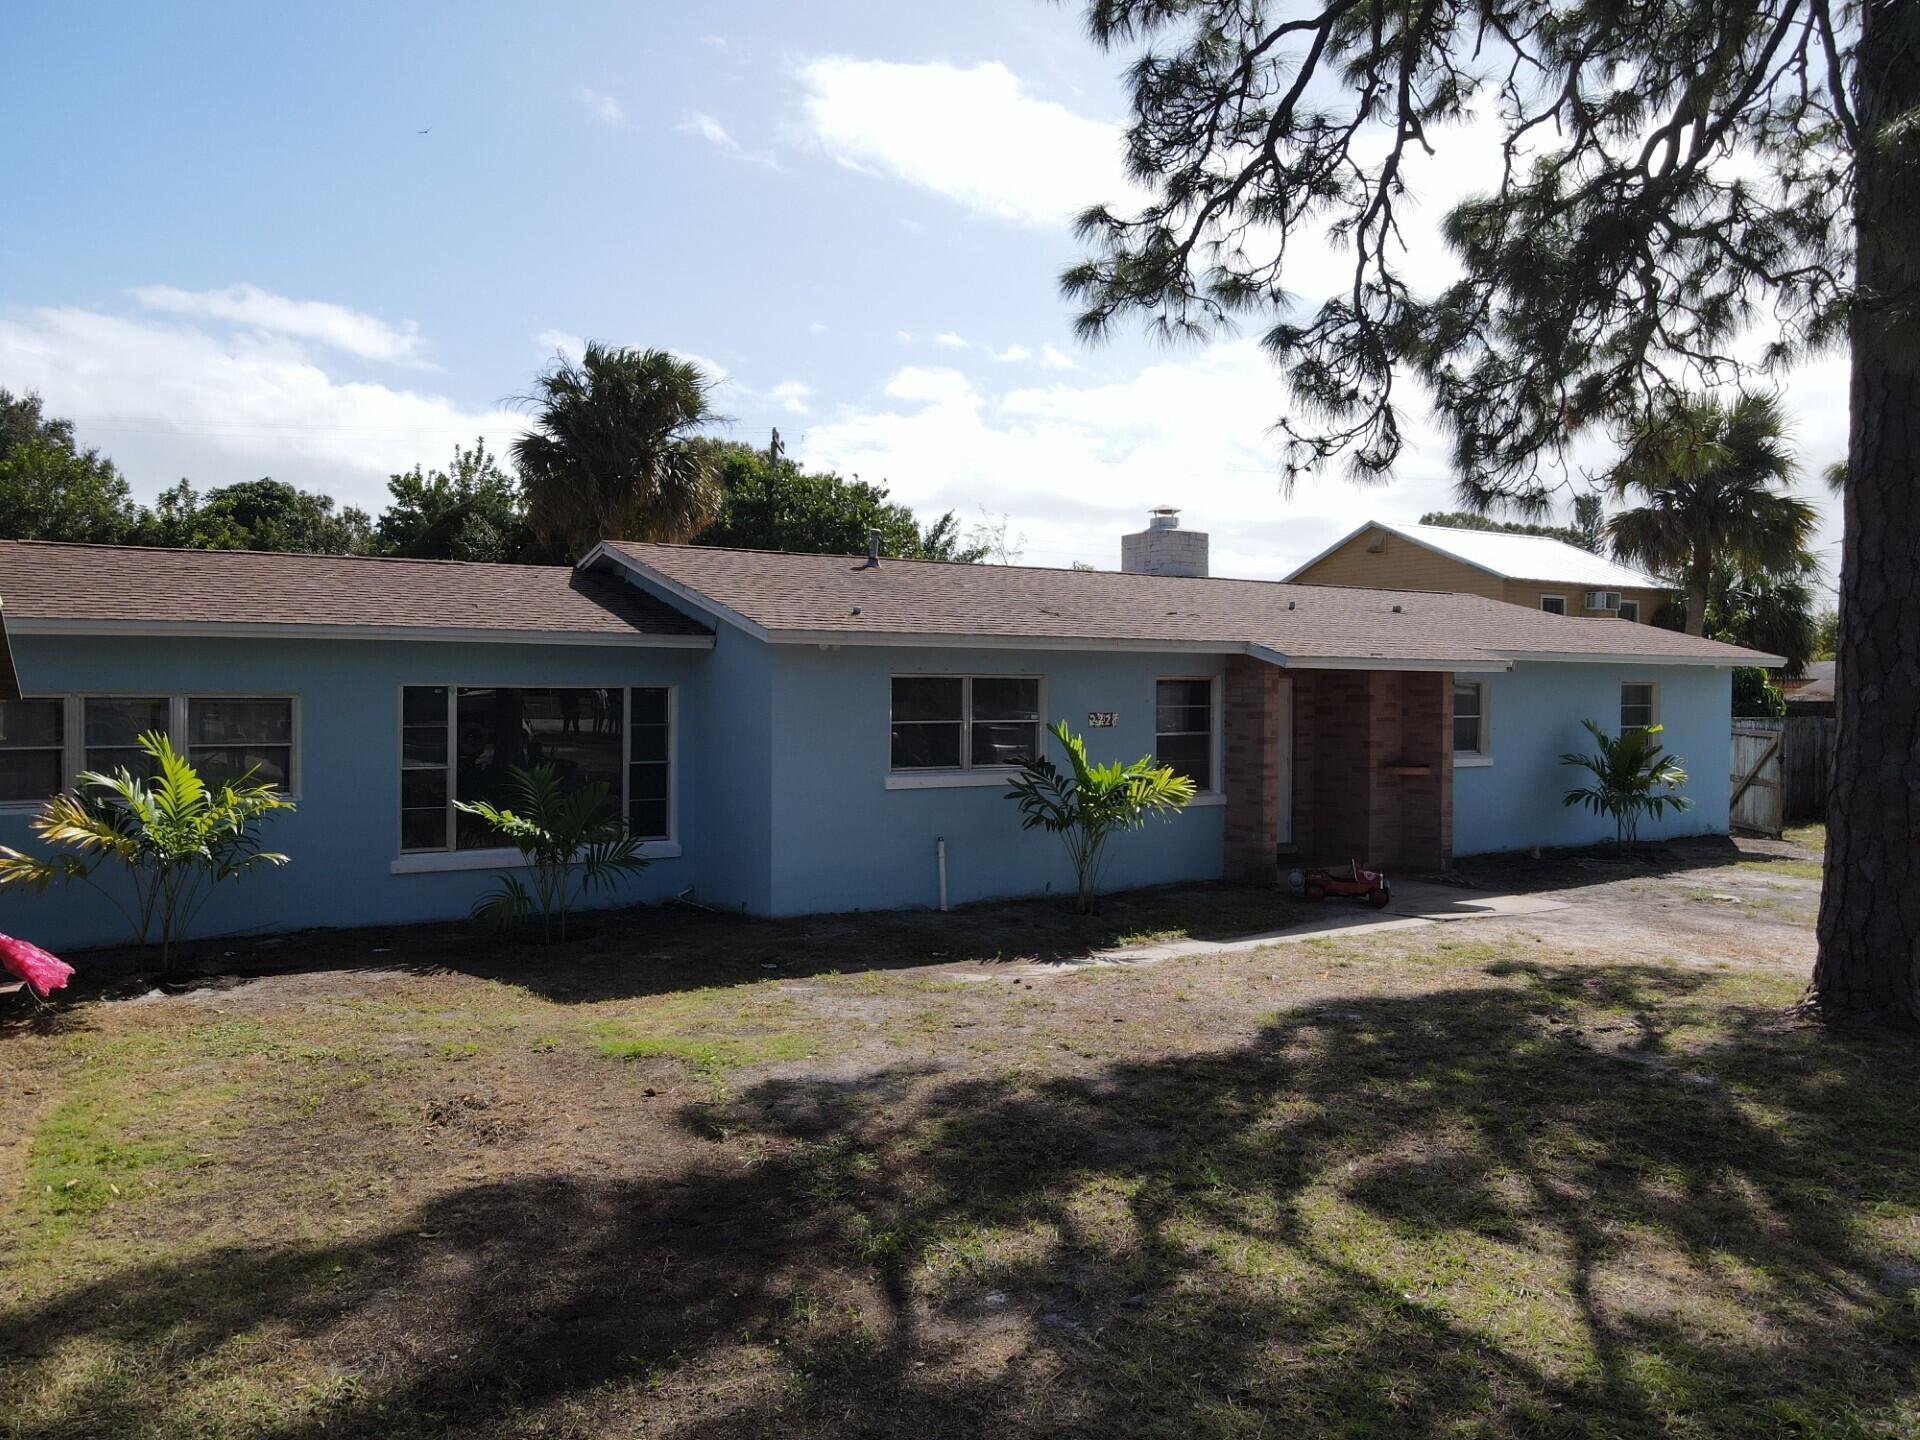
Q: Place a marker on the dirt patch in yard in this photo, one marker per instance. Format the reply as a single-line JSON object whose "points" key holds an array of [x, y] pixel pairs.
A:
{"points": [[1568, 1174]]}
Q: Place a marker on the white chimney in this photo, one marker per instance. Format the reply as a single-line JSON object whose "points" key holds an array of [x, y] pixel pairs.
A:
{"points": [[1163, 548]]}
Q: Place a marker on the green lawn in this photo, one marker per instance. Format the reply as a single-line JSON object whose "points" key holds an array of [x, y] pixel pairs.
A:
{"points": [[704, 1177]]}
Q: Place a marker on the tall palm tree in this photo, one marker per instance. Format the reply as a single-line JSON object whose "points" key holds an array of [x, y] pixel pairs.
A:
{"points": [[610, 455], [1711, 478]]}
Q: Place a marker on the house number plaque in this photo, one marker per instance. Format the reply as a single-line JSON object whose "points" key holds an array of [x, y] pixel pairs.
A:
{"points": [[1101, 719]]}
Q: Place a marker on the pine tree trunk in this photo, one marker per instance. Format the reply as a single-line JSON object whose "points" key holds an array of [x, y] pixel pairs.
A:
{"points": [[1869, 966]]}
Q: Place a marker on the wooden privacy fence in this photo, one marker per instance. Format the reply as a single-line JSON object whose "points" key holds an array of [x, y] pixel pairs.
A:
{"points": [[1780, 772]]}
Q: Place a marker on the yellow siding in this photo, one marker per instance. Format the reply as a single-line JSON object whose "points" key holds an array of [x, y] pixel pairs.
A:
{"points": [[1399, 565], [1528, 593]]}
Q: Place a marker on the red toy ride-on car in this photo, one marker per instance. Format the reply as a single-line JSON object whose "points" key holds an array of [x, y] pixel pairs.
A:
{"points": [[1368, 885]]}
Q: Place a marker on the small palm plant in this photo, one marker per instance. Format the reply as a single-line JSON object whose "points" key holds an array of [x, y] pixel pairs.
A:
{"points": [[574, 842], [175, 836], [1093, 803], [1632, 777]]}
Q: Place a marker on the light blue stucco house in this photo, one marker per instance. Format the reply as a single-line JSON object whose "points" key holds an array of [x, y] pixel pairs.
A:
{"points": [[798, 733]]}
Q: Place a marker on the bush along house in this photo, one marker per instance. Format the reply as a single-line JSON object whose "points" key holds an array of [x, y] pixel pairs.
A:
{"points": [[797, 733]]}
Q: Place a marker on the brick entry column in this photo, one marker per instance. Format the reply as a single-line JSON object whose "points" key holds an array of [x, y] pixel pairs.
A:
{"points": [[1250, 774]]}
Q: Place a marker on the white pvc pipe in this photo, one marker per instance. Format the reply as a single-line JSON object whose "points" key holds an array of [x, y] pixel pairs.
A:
{"points": [[940, 858]]}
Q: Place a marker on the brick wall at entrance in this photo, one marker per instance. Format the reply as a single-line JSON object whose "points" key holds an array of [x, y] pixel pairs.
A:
{"points": [[1372, 767]]}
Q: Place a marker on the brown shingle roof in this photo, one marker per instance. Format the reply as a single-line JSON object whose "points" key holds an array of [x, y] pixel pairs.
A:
{"points": [[131, 585], [839, 595]]}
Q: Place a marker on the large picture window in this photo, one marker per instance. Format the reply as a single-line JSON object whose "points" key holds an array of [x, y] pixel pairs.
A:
{"points": [[1183, 729], [46, 743], [461, 743], [964, 722]]}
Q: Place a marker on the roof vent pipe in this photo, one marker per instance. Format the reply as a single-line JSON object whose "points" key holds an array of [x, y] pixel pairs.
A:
{"points": [[873, 549]]}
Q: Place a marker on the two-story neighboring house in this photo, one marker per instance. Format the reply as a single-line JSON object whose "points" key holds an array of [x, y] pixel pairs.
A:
{"points": [[1531, 570]]}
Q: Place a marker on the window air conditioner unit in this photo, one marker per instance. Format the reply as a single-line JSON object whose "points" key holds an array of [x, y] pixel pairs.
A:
{"points": [[1603, 599]]}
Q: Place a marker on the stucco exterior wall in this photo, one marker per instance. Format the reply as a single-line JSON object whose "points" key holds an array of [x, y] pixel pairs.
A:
{"points": [[1533, 715], [845, 841], [344, 837]]}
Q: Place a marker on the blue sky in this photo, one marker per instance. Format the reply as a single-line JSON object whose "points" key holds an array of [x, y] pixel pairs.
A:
{"points": [[225, 251]]}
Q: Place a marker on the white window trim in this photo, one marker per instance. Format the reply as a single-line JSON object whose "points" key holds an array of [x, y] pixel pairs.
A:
{"points": [[1483, 756], [421, 862], [1562, 611], [73, 746], [1216, 793], [966, 775], [1653, 706]]}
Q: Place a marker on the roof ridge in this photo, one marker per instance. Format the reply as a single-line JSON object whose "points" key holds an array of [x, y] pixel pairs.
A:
{"points": [[286, 554]]}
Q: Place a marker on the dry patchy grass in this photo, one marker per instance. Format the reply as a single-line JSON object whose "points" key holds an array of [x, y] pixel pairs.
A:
{"points": [[704, 1177]]}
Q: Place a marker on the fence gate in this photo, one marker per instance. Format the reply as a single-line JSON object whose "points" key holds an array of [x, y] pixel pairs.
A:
{"points": [[1759, 794]]}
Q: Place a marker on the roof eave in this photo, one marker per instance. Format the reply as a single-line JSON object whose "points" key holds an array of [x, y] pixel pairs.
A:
{"points": [[250, 630]]}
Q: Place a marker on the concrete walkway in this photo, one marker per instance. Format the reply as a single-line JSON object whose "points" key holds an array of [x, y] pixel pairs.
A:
{"points": [[1415, 903]]}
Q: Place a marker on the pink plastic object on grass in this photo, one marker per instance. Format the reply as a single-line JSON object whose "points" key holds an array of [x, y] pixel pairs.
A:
{"points": [[43, 973]]}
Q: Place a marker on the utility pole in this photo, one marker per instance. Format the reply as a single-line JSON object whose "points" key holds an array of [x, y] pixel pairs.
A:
{"points": [[775, 449]]}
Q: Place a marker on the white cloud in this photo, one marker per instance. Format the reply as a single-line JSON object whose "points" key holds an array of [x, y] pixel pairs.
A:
{"points": [[1077, 465], [974, 135], [563, 342], [951, 340], [168, 399], [714, 133], [604, 108], [319, 321], [1054, 358], [791, 396], [819, 327], [1011, 354], [905, 337]]}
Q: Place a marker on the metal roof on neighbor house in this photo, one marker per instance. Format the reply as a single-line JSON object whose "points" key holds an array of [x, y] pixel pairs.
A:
{"points": [[1510, 557], [122, 589], [829, 598]]}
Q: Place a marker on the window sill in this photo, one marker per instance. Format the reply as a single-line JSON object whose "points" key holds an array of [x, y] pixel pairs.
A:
{"points": [[1205, 798], [1471, 761], [435, 862], [949, 779]]}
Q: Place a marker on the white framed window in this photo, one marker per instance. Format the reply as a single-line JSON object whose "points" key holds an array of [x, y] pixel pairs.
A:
{"points": [[1629, 610], [941, 724], [1639, 705], [1470, 729], [224, 736], [33, 749], [462, 742], [1186, 729], [1554, 604]]}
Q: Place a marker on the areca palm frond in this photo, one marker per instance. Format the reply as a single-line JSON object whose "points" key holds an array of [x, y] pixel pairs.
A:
{"points": [[1089, 803], [174, 836], [611, 453], [572, 838], [1633, 776], [1711, 479]]}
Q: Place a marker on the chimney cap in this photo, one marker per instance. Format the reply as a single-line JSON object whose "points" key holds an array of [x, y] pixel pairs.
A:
{"points": [[1164, 517]]}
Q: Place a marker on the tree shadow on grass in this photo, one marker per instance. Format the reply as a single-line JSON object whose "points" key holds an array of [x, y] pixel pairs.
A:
{"points": [[1535, 1208]]}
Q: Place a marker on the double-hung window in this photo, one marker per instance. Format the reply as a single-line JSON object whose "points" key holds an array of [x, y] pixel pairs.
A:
{"points": [[964, 722], [1469, 719], [1554, 604], [32, 750], [1183, 729], [47, 743], [462, 743], [1637, 706]]}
